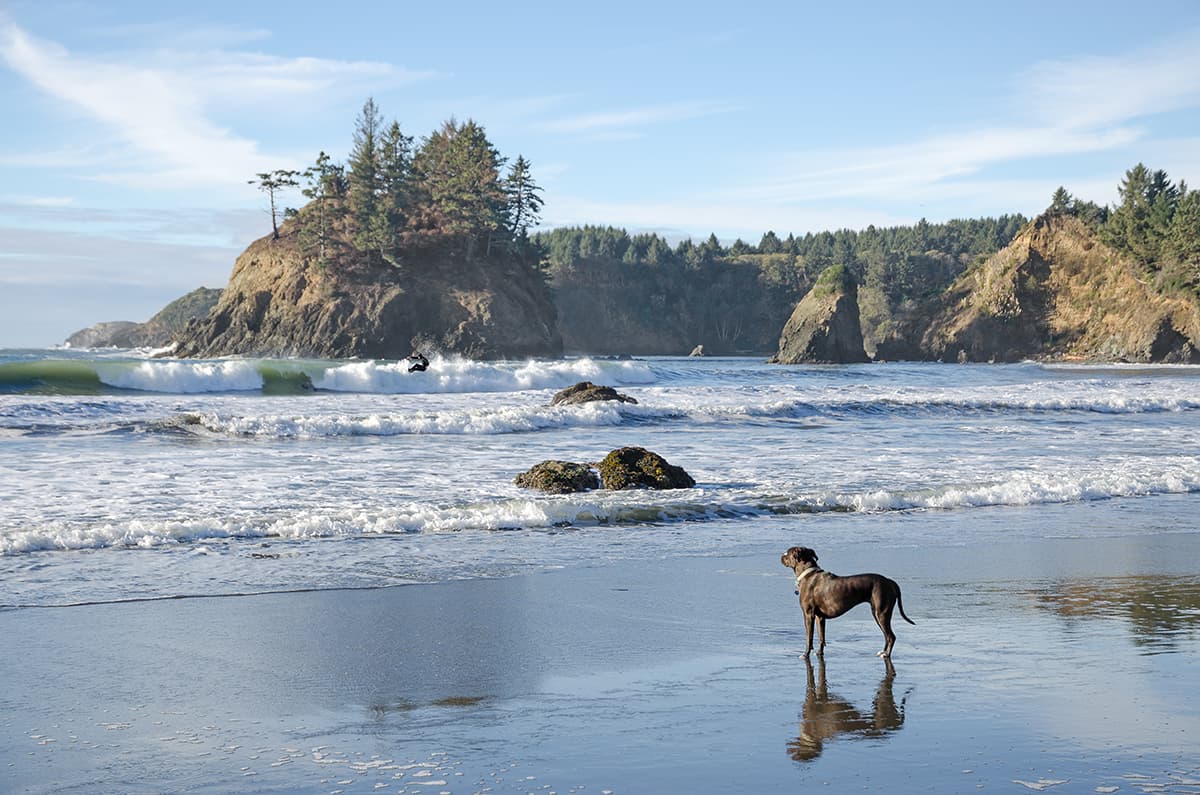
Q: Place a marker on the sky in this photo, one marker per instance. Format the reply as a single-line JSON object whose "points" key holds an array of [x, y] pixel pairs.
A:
{"points": [[131, 129]]}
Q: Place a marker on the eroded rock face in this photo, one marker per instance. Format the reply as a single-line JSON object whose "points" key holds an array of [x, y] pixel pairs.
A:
{"points": [[637, 467], [280, 303], [586, 392], [824, 328], [558, 477], [1057, 292]]}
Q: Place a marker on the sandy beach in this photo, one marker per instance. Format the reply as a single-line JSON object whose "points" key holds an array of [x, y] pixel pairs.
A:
{"points": [[1063, 665]]}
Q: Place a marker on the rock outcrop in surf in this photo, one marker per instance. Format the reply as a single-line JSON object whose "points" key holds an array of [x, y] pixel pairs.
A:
{"points": [[824, 328], [623, 468], [587, 392]]}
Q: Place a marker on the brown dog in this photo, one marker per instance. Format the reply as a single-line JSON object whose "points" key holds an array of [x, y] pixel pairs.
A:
{"points": [[824, 595]]}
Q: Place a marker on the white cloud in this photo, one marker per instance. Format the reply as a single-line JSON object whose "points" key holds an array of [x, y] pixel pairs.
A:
{"points": [[158, 104], [1080, 106], [626, 122], [924, 168], [1101, 90]]}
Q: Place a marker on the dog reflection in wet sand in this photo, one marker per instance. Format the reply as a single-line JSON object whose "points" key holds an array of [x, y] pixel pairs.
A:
{"points": [[826, 716], [824, 595]]}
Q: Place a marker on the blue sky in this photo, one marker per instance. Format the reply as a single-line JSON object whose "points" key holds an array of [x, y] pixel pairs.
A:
{"points": [[130, 129]]}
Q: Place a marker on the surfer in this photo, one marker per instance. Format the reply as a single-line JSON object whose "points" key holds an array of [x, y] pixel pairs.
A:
{"points": [[420, 363]]}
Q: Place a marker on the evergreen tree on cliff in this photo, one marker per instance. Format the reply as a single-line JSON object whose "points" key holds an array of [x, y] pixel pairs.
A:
{"points": [[524, 199], [368, 231], [456, 176], [395, 164], [326, 191]]}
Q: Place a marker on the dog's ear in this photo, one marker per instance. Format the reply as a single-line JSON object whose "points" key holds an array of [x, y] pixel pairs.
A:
{"points": [[806, 554]]}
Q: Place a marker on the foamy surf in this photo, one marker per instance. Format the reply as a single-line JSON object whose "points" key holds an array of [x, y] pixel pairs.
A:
{"points": [[709, 502], [95, 375]]}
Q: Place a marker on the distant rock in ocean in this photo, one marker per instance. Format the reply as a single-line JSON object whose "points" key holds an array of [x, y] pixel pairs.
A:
{"points": [[587, 392], [824, 328], [157, 332]]}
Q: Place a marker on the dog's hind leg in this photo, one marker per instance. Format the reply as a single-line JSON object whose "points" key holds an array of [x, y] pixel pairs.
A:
{"points": [[883, 617]]}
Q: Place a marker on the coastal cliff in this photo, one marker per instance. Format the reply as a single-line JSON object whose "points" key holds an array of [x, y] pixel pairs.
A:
{"points": [[1058, 292], [281, 303]]}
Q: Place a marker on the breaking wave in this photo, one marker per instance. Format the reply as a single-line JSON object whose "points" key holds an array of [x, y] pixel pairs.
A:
{"points": [[297, 376], [600, 508]]}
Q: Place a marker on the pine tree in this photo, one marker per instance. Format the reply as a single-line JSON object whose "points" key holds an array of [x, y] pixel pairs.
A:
{"points": [[326, 191], [366, 229], [1061, 202], [524, 199], [395, 164], [270, 183], [1183, 237], [458, 177]]}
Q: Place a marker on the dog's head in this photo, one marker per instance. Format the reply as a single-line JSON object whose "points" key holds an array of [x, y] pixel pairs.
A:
{"points": [[798, 558]]}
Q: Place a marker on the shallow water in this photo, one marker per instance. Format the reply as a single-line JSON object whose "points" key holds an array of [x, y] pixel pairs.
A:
{"points": [[178, 478], [1038, 661]]}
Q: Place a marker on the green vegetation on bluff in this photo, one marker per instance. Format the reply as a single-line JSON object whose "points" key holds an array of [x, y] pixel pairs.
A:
{"points": [[396, 200], [1156, 223], [622, 293]]}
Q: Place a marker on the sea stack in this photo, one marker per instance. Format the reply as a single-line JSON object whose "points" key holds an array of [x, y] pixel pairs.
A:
{"points": [[824, 328]]}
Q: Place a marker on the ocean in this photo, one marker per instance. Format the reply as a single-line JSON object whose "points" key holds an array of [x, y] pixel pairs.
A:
{"points": [[127, 477]]}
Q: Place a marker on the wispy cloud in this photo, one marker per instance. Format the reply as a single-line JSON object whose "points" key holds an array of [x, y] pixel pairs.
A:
{"points": [[159, 104], [1103, 90], [1072, 107], [630, 121], [923, 167]]}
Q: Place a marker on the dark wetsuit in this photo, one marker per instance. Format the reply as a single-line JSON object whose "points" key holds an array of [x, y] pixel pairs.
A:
{"points": [[419, 365]]}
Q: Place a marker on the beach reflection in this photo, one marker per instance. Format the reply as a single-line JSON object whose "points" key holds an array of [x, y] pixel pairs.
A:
{"points": [[1161, 611], [827, 716]]}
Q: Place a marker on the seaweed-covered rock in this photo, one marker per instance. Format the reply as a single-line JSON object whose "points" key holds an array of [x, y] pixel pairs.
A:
{"points": [[586, 392], [558, 477], [637, 467]]}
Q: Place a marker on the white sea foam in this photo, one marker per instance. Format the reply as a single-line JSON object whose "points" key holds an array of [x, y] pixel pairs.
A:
{"points": [[587, 509], [461, 375], [510, 419]]}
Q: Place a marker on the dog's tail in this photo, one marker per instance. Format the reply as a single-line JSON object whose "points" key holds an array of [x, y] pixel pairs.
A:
{"points": [[900, 604]]}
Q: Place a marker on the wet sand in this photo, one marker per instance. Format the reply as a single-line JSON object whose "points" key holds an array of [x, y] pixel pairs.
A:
{"points": [[1057, 665]]}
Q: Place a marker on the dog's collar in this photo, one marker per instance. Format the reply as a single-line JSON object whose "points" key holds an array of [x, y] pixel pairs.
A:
{"points": [[805, 573]]}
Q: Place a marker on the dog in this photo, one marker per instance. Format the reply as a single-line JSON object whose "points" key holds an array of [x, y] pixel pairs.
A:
{"points": [[824, 595]]}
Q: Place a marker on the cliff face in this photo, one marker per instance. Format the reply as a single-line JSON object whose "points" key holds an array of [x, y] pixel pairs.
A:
{"points": [[1056, 292], [607, 308], [824, 328], [277, 303]]}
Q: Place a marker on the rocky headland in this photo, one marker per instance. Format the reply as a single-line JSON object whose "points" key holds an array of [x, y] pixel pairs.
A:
{"points": [[157, 332], [1056, 292], [280, 302]]}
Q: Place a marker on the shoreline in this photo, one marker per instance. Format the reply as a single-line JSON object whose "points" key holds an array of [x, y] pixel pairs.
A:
{"points": [[1036, 661]]}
